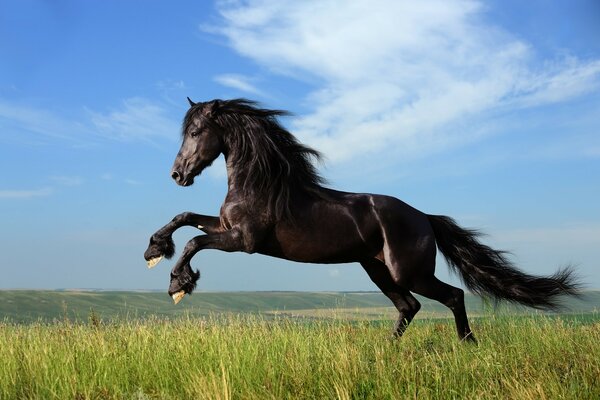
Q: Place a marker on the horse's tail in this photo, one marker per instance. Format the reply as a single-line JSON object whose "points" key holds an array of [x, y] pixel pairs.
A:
{"points": [[486, 271]]}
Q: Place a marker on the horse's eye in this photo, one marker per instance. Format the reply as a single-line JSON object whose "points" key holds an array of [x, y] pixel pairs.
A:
{"points": [[194, 133]]}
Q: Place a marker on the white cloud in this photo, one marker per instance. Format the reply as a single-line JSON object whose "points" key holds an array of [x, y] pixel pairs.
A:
{"points": [[170, 85], [15, 119], [561, 82], [173, 92], [400, 73], [25, 194], [136, 119], [239, 82]]}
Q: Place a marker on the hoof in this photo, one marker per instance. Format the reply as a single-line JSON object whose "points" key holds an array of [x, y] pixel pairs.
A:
{"points": [[395, 336], [178, 296], [153, 261], [158, 249], [469, 338]]}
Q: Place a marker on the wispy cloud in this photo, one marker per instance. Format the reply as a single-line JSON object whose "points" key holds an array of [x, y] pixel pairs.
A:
{"points": [[135, 119], [563, 81], [239, 82], [16, 119], [401, 73], [67, 180], [173, 92], [25, 194]]}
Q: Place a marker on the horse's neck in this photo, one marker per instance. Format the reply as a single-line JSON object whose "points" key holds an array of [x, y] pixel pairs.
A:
{"points": [[235, 175]]}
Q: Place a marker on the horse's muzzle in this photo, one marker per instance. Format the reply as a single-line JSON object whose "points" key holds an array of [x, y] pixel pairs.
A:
{"points": [[176, 175], [179, 178]]}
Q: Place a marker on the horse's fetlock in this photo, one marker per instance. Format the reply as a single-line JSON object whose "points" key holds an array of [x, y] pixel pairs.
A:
{"points": [[189, 248]]}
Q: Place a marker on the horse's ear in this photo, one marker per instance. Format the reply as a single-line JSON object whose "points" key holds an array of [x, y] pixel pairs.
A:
{"points": [[192, 104], [213, 108]]}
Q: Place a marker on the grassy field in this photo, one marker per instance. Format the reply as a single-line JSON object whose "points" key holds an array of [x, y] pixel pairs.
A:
{"points": [[89, 349], [248, 357]]}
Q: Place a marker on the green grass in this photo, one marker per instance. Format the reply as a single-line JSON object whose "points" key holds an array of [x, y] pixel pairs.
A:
{"points": [[261, 345], [249, 357]]}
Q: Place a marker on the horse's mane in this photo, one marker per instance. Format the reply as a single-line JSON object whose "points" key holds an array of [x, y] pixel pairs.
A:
{"points": [[275, 165]]}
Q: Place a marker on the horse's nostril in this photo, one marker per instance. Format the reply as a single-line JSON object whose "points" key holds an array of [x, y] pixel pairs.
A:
{"points": [[175, 175]]}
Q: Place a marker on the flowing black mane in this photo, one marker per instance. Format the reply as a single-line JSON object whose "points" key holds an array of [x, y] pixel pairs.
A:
{"points": [[270, 161]]}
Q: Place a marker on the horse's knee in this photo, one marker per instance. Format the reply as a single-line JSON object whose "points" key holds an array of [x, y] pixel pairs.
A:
{"points": [[180, 218]]}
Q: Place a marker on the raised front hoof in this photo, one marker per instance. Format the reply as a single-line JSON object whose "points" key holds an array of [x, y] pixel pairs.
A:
{"points": [[177, 296], [158, 249], [153, 261], [183, 284]]}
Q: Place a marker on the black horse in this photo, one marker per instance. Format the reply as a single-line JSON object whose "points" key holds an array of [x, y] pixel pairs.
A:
{"points": [[276, 205]]}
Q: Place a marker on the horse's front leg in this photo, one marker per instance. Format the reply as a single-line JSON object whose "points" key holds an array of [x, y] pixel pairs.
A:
{"points": [[183, 278], [161, 242]]}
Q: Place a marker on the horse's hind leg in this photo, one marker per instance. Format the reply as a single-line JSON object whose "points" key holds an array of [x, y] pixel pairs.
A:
{"points": [[403, 300], [411, 264], [450, 296]]}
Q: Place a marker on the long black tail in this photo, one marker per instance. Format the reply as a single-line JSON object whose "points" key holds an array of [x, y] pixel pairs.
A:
{"points": [[486, 271]]}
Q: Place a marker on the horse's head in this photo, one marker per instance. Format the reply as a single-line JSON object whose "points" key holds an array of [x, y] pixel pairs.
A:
{"points": [[202, 142]]}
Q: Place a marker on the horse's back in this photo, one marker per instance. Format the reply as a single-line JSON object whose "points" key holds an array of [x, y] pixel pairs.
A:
{"points": [[396, 212]]}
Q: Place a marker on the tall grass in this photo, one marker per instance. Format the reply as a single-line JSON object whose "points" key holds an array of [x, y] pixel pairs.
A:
{"points": [[254, 358]]}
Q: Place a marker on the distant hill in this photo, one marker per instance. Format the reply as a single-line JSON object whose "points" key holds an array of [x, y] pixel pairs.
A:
{"points": [[42, 305]]}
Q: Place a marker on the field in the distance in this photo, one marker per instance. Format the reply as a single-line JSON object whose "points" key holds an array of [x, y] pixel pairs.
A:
{"points": [[24, 306], [108, 345]]}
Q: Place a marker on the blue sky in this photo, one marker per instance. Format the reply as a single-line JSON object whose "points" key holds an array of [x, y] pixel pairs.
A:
{"points": [[484, 111]]}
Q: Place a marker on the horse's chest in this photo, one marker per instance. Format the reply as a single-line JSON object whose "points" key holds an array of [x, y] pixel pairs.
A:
{"points": [[231, 214]]}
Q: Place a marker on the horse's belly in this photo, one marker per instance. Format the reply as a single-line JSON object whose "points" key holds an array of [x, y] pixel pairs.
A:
{"points": [[328, 245]]}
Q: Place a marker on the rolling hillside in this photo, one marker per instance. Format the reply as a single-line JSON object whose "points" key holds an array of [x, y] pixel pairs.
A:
{"points": [[36, 305]]}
